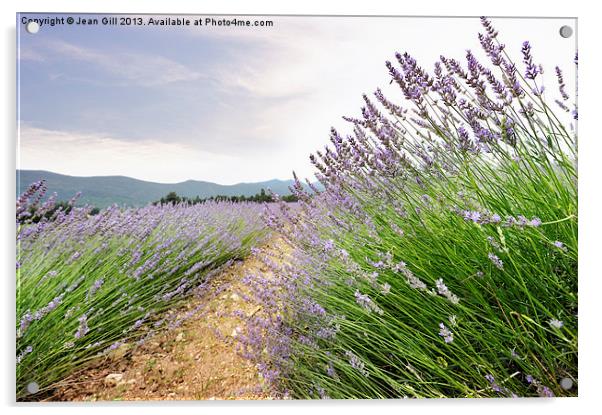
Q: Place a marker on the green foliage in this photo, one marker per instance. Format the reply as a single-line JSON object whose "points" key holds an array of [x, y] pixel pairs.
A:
{"points": [[261, 197], [503, 323]]}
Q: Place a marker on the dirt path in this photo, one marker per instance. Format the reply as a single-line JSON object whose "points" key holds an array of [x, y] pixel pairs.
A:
{"points": [[191, 362]]}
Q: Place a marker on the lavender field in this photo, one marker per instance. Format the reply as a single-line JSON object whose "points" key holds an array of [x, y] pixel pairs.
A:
{"points": [[437, 260], [88, 285]]}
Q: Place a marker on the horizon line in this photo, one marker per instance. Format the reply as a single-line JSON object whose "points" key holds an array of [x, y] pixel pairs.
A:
{"points": [[155, 182]]}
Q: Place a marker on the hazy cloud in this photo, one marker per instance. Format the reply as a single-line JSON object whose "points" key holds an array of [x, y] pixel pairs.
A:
{"points": [[134, 67], [82, 154], [231, 104]]}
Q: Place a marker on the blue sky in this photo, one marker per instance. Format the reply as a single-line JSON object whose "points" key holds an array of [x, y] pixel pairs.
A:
{"points": [[222, 104]]}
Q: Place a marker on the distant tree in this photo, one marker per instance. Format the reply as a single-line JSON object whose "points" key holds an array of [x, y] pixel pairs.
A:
{"points": [[172, 198], [261, 197], [290, 198]]}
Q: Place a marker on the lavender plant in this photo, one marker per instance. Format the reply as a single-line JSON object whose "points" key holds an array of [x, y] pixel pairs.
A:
{"points": [[89, 285], [441, 258]]}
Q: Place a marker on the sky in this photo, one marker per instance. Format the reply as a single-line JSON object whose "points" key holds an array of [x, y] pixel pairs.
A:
{"points": [[226, 104]]}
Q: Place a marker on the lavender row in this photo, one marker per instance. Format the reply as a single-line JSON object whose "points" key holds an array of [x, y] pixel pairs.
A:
{"points": [[90, 284], [441, 258]]}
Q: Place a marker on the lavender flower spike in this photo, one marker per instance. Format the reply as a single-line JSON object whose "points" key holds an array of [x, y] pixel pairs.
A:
{"points": [[532, 69], [444, 332], [356, 363], [496, 261]]}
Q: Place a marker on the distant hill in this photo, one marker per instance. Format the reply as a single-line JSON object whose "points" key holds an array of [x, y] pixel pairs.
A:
{"points": [[102, 191]]}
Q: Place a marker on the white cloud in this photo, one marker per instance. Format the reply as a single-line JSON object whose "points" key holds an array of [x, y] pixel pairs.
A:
{"points": [[83, 154], [135, 68]]}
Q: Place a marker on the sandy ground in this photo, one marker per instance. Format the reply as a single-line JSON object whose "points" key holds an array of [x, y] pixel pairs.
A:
{"points": [[191, 362]]}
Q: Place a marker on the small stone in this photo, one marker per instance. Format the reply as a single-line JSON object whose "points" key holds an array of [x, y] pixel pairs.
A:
{"points": [[235, 297], [180, 337], [113, 379], [566, 383]]}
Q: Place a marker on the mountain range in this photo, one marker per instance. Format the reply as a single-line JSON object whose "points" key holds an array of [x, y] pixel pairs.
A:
{"points": [[102, 191]]}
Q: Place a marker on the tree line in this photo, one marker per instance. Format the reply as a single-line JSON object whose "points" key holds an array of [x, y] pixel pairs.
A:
{"points": [[261, 197]]}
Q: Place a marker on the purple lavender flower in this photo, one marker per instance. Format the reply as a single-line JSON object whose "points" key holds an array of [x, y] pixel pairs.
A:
{"points": [[331, 371], [83, 327], [542, 390], [327, 332], [356, 363], [496, 261], [546, 392], [328, 245], [25, 322], [494, 385], [444, 291], [25, 352], [138, 323], [96, 286], [441, 287], [532, 69], [322, 393], [444, 332], [313, 307], [115, 346], [475, 216], [366, 302], [561, 84]]}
